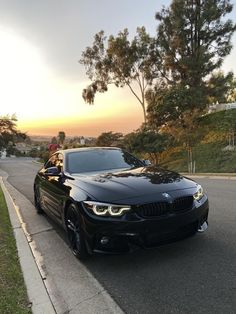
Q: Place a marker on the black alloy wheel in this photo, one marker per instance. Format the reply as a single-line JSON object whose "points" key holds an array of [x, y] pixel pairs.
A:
{"points": [[37, 202], [75, 233]]}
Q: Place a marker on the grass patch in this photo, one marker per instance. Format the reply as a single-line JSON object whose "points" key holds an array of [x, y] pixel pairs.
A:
{"points": [[209, 157], [13, 295]]}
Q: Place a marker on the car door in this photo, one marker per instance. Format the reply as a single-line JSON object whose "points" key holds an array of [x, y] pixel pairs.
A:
{"points": [[52, 189]]}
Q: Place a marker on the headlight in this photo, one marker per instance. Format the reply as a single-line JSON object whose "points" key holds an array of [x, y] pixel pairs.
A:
{"points": [[199, 194], [104, 209]]}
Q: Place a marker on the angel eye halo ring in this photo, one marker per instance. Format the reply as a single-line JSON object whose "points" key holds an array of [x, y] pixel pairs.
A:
{"points": [[199, 193], [105, 209]]}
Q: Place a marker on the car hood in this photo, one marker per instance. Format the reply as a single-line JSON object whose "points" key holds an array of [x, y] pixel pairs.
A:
{"points": [[144, 183]]}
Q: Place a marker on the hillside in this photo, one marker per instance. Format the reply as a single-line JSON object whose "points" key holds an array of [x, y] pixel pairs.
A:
{"points": [[210, 154], [208, 158]]}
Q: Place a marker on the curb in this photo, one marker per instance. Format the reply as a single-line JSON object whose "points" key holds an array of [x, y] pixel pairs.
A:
{"points": [[220, 176], [41, 287], [36, 290]]}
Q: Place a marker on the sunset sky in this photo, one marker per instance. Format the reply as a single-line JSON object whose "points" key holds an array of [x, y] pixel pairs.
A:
{"points": [[40, 77]]}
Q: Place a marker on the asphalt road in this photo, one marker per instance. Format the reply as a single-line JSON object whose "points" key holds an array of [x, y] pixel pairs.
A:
{"points": [[196, 275]]}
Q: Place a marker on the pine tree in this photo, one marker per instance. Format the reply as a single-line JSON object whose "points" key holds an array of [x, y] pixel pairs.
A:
{"points": [[194, 37]]}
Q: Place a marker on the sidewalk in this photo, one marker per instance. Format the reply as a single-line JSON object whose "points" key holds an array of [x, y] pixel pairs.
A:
{"points": [[225, 176], [56, 281]]}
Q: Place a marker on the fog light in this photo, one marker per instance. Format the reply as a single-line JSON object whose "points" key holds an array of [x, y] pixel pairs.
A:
{"points": [[104, 240], [203, 227]]}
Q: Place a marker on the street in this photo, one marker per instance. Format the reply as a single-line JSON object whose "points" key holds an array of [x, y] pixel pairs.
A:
{"points": [[196, 275]]}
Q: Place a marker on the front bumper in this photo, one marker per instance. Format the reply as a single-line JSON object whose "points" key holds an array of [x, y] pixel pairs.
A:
{"points": [[120, 235]]}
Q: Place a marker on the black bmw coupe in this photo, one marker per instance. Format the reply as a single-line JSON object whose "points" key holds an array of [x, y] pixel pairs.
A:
{"points": [[109, 201]]}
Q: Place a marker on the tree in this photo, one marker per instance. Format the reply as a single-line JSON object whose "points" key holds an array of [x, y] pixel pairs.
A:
{"points": [[61, 137], [121, 62], [224, 121], [221, 87], [54, 140], [8, 132], [109, 139], [188, 131], [148, 142], [194, 37], [232, 95], [168, 104]]}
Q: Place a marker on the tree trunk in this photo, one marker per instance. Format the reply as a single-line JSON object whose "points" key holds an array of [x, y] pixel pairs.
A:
{"points": [[190, 159], [144, 114]]}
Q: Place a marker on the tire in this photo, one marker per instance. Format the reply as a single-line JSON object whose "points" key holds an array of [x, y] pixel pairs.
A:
{"points": [[37, 203], [75, 233]]}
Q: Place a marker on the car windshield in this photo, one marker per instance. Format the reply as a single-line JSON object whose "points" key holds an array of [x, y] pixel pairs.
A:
{"points": [[100, 160]]}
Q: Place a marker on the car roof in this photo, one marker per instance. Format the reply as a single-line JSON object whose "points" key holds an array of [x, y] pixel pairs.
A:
{"points": [[84, 149]]}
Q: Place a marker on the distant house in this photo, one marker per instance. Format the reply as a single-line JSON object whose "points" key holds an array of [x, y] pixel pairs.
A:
{"points": [[3, 154], [231, 105], [23, 148], [221, 107], [82, 140]]}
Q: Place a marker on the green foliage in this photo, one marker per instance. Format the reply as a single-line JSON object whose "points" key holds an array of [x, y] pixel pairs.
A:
{"points": [[109, 139], [174, 72], [172, 103], [54, 140], [147, 142], [9, 133], [209, 157], [167, 104], [121, 62], [209, 151], [221, 87], [222, 120], [44, 156], [13, 294], [10, 149], [61, 137], [213, 136], [194, 37]]}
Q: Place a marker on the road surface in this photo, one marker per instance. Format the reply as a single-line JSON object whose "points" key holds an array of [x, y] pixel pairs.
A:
{"points": [[196, 275]]}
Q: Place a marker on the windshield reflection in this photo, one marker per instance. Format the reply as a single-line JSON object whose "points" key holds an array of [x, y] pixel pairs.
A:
{"points": [[155, 175], [100, 160]]}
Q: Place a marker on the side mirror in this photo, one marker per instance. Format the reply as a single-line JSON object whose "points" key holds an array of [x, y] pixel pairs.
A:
{"points": [[52, 171], [146, 162]]}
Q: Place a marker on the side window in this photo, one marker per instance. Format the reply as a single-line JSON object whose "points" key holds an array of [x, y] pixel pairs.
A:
{"points": [[59, 162], [51, 162], [55, 161]]}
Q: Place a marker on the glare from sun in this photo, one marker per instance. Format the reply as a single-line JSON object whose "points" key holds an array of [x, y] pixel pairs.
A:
{"points": [[22, 74], [39, 98], [28, 86]]}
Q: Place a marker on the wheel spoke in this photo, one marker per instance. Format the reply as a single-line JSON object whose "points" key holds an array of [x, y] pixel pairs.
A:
{"points": [[73, 230], [71, 226], [37, 202], [75, 233]]}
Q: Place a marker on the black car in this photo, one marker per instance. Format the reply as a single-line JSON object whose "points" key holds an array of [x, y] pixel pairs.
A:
{"points": [[109, 201]]}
